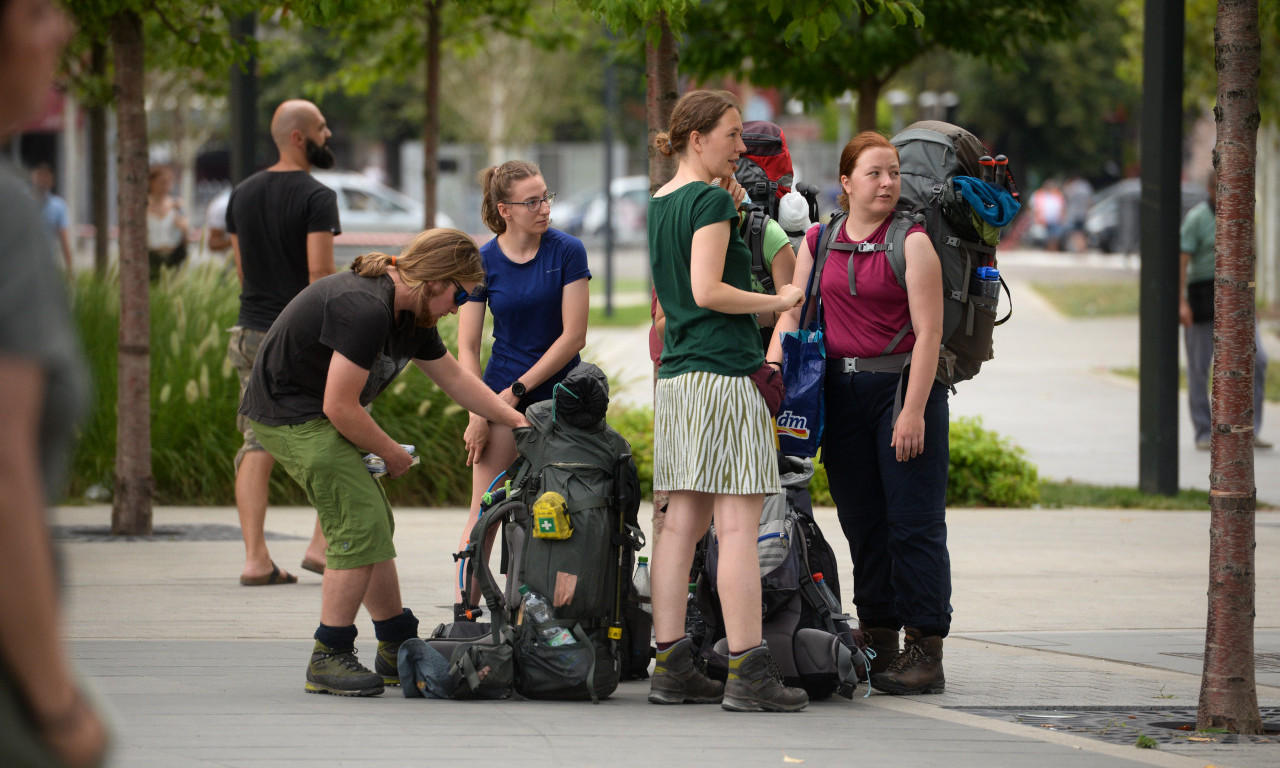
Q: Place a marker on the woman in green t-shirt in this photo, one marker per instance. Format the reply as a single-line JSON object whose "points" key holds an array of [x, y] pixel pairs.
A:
{"points": [[713, 437]]}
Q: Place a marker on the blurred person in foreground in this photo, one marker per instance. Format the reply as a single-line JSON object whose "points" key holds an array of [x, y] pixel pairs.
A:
{"points": [[45, 719], [1195, 313], [337, 346]]}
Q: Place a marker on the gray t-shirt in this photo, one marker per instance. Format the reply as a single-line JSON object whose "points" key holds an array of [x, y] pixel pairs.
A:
{"points": [[35, 324]]}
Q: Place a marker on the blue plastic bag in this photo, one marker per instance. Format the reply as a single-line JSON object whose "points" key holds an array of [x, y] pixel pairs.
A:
{"points": [[803, 411]]}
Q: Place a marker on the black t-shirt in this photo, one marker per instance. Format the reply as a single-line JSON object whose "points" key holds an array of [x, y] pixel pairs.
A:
{"points": [[343, 313], [271, 213]]}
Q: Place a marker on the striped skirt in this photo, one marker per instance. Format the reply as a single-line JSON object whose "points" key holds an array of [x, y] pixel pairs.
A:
{"points": [[712, 433]]}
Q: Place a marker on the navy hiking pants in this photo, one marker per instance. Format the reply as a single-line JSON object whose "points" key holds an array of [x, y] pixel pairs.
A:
{"points": [[893, 513]]}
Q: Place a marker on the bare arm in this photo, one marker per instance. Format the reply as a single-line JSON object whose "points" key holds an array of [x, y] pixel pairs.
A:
{"points": [[31, 642], [468, 391], [470, 339], [924, 300], [1184, 306], [782, 270], [790, 320], [706, 275], [574, 303], [64, 241], [235, 250], [342, 407], [319, 255], [218, 239]]}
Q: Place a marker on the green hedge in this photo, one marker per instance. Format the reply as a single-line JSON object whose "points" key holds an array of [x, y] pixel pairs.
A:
{"points": [[194, 394]]}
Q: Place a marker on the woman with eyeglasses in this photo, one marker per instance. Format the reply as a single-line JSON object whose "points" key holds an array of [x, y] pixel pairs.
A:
{"points": [[335, 347], [535, 283]]}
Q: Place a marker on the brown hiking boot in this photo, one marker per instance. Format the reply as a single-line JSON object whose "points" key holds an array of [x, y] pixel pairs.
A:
{"points": [[678, 679], [755, 685], [884, 642], [337, 671], [918, 669]]}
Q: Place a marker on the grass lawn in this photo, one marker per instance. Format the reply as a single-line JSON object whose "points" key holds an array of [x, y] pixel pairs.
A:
{"points": [[1096, 299], [1070, 494], [626, 316]]}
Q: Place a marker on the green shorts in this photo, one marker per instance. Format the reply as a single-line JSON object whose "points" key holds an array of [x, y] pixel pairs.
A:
{"points": [[241, 351], [354, 512]]}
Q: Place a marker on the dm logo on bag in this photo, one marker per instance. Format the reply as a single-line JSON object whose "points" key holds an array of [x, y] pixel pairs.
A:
{"points": [[791, 425]]}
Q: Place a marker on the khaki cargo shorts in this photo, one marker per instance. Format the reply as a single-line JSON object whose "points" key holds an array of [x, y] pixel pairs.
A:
{"points": [[241, 351]]}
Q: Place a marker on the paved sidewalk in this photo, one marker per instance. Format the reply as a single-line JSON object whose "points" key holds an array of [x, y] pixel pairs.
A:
{"points": [[1067, 609]]}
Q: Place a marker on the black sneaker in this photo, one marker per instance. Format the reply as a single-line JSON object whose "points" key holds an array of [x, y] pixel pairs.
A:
{"points": [[340, 673], [386, 662]]}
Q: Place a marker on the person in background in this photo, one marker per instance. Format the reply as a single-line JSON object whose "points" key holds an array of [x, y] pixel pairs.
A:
{"points": [[536, 286], [1195, 313], [714, 447], [281, 222], [337, 346], [887, 470], [54, 209], [166, 223], [45, 719], [216, 238]]}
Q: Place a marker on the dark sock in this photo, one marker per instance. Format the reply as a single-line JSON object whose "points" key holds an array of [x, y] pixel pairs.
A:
{"points": [[665, 646], [933, 633], [337, 638], [396, 629]]}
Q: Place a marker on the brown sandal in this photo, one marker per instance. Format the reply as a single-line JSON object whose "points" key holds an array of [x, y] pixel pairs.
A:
{"points": [[276, 576]]}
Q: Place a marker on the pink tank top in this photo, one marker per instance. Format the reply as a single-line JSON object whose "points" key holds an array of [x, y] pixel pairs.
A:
{"points": [[862, 325]]}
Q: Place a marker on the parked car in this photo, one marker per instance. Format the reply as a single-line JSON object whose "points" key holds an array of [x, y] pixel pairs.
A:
{"points": [[582, 214], [373, 215], [1111, 225]]}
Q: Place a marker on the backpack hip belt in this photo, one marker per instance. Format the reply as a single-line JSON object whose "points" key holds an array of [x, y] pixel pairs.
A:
{"points": [[882, 364]]}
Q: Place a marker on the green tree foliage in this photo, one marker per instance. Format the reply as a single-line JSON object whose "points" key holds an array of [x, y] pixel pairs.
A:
{"points": [[1066, 110], [863, 49]]}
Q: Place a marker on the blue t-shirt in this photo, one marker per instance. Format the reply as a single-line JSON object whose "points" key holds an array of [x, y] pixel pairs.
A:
{"points": [[526, 301]]}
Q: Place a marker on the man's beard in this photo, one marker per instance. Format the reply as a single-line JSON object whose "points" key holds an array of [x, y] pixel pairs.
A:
{"points": [[425, 319], [318, 156]]}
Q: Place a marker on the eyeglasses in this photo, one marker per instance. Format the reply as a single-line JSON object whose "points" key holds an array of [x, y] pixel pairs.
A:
{"points": [[534, 205], [461, 296]]}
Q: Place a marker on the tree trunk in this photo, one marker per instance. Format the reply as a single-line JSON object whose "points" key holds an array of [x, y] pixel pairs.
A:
{"points": [[1228, 691], [431, 122], [662, 91], [98, 169], [868, 95], [131, 510]]}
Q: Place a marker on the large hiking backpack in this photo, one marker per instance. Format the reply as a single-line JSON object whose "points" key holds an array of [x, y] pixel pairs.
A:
{"points": [[931, 155], [809, 637], [766, 173], [567, 512]]}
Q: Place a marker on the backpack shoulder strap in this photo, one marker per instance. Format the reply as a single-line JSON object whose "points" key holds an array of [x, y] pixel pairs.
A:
{"points": [[826, 238], [896, 241], [754, 220]]}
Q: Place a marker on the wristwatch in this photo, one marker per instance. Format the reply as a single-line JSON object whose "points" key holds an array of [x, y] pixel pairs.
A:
{"points": [[518, 389]]}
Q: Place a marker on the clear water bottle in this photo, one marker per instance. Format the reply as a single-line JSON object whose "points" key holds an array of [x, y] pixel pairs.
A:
{"points": [[641, 580], [538, 611], [826, 593], [694, 626], [986, 282]]}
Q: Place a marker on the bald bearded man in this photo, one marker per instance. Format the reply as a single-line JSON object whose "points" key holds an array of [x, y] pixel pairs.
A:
{"points": [[282, 223]]}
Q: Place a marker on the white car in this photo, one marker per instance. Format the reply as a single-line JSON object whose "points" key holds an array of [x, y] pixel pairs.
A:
{"points": [[365, 206], [582, 214]]}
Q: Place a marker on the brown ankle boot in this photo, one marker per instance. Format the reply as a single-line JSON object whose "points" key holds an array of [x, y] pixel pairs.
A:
{"points": [[884, 642], [917, 670]]}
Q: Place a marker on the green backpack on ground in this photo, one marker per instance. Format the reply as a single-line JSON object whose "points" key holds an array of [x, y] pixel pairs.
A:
{"points": [[570, 532]]}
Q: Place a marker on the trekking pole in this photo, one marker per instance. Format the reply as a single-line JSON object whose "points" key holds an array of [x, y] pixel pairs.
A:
{"points": [[988, 164], [1002, 170]]}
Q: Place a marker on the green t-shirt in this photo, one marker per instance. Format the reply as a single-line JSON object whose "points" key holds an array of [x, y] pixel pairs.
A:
{"points": [[699, 339], [774, 238], [1197, 239]]}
